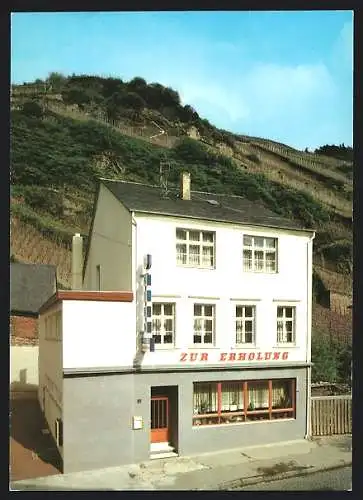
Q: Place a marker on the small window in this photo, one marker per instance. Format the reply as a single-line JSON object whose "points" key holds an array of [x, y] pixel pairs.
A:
{"points": [[259, 254], [245, 324], [163, 324], [195, 248], [204, 318], [286, 333]]}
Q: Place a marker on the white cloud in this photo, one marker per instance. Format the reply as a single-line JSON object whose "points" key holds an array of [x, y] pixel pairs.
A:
{"points": [[342, 52]]}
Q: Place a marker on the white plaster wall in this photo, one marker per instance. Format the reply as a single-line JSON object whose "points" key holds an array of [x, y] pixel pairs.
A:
{"points": [[225, 286], [24, 368], [98, 334], [50, 368], [110, 246]]}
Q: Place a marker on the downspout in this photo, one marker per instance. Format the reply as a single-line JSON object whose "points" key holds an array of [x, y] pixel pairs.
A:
{"points": [[309, 265], [135, 281]]}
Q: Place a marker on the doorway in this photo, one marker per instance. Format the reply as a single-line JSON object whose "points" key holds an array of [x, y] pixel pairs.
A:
{"points": [[164, 418], [160, 419]]}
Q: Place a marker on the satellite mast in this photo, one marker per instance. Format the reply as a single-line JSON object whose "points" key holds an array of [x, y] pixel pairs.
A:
{"points": [[164, 171]]}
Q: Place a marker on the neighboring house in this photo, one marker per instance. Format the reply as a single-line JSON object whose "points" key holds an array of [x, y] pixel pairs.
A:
{"points": [[30, 286], [192, 332]]}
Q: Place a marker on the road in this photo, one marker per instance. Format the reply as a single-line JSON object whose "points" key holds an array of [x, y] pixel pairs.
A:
{"points": [[334, 480]]}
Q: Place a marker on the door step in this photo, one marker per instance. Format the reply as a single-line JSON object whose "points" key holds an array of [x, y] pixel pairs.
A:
{"points": [[162, 450], [166, 454]]}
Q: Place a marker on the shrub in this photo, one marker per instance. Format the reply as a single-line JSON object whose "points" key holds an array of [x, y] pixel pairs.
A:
{"points": [[43, 199], [32, 109]]}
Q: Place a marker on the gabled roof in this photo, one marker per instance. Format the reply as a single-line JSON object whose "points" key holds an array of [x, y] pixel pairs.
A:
{"points": [[138, 197], [31, 285]]}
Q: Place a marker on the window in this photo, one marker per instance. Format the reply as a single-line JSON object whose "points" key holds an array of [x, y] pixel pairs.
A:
{"points": [[243, 401], [285, 324], [195, 248], [163, 323], [98, 277], [204, 315], [259, 254], [245, 324]]}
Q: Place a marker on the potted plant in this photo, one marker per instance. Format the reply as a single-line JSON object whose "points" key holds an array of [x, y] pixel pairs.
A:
{"points": [[204, 407], [233, 406]]}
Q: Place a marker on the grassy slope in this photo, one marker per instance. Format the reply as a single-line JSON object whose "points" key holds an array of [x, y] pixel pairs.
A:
{"points": [[64, 152]]}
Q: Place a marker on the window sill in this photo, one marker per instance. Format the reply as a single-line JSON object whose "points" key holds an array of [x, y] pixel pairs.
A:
{"points": [[164, 347], [202, 346], [248, 271], [256, 422], [245, 346], [189, 266], [289, 345]]}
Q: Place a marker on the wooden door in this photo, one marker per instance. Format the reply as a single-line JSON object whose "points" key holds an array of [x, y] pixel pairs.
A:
{"points": [[159, 419]]}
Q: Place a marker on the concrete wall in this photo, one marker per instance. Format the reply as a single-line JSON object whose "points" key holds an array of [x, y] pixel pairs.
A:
{"points": [[110, 246], [98, 414]]}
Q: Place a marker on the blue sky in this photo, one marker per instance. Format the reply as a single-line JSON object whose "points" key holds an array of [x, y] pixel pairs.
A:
{"points": [[286, 76]]}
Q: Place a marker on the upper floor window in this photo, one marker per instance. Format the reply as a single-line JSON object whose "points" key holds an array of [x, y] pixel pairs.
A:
{"points": [[163, 323], [259, 254], [245, 324], [204, 318], [195, 248], [286, 330]]}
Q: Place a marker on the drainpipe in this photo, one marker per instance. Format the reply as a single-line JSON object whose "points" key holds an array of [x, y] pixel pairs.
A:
{"points": [[309, 265], [134, 272]]}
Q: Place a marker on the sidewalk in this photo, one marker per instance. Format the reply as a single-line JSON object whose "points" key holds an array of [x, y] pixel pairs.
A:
{"points": [[212, 471]]}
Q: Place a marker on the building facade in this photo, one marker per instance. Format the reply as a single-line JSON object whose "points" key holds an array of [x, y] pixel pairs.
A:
{"points": [[30, 286], [210, 351]]}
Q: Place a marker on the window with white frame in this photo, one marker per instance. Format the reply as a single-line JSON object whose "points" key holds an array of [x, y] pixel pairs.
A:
{"points": [[195, 248], [204, 318], [163, 323], [286, 328], [259, 254], [245, 324]]}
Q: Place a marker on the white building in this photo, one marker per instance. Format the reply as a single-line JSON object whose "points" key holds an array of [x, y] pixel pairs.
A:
{"points": [[228, 363]]}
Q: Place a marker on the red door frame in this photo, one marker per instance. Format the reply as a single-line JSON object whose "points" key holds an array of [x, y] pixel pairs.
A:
{"points": [[159, 424]]}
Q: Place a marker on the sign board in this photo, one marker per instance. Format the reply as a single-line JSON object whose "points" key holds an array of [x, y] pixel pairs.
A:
{"points": [[230, 357], [137, 423]]}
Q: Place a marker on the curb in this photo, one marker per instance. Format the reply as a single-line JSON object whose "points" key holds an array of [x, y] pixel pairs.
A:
{"points": [[242, 482]]}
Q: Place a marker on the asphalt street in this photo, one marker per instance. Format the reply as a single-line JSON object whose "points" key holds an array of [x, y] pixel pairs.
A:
{"points": [[334, 480]]}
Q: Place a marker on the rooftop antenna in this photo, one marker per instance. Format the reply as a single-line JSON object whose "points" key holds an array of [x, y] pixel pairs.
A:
{"points": [[164, 171]]}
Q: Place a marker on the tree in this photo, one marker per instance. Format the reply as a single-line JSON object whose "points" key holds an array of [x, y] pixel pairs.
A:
{"points": [[76, 95], [324, 358], [56, 80]]}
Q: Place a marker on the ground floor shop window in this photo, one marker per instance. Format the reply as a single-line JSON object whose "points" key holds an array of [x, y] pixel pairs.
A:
{"points": [[243, 401]]}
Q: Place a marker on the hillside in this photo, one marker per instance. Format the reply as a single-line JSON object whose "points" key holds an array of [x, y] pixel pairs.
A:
{"points": [[67, 132]]}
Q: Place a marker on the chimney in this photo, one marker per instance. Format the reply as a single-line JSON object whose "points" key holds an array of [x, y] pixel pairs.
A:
{"points": [[77, 261], [185, 186]]}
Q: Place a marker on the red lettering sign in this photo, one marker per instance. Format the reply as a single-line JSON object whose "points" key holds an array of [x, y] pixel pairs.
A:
{"points": [[234, 356]]}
